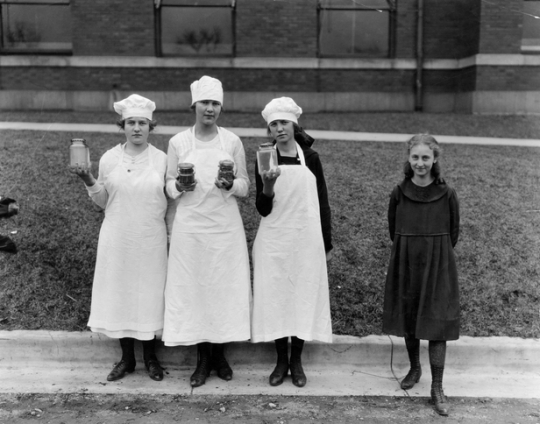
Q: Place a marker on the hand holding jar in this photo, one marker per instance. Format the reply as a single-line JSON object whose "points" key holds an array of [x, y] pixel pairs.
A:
{"points": [[79, 161], [225, 177], [269, 180], [185, 181]]}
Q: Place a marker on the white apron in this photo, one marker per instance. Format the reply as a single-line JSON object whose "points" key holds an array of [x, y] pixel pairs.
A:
{"points": [[290, 285], [131, 264], [208, 292]]}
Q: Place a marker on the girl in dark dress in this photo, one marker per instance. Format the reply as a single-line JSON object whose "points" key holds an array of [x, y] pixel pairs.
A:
{"points": [[422, 294]]}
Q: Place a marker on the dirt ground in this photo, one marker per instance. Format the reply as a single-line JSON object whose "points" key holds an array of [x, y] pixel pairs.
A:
{"points": [[164, 409]]}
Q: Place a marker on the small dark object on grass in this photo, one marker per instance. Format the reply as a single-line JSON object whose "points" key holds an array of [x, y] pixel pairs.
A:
{"points": [[8, 207]]}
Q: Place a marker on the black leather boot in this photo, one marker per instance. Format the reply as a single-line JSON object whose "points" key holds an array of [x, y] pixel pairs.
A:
{"points": [[204, 366], [414, 374], [127, 363], [437, 394], [155, 371], [437, 357], [298, 376], [220, 364], [282, 366]]}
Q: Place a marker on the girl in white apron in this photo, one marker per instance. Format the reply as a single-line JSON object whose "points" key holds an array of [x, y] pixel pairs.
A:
{"points": [[131, 264], [208, 292], [292, 245]]}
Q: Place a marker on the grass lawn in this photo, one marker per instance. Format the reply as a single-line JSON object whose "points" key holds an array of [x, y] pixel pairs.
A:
{"points": [[47, 285]]}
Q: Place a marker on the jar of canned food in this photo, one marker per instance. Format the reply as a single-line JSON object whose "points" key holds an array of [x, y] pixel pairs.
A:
{"points": [[267, 158], [226, 171], [79, 153]]}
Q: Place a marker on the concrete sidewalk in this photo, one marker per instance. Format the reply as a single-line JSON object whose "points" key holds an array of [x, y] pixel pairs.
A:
{"points": [[66, 362], [261, 132]]}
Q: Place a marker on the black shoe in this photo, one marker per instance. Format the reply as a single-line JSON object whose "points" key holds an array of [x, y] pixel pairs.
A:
{"points": [[204, 366], [155, 372], [299, 379], [120, 370], [280, 372], [198, 378], [439, 401], [223, 369], [412, 377]]}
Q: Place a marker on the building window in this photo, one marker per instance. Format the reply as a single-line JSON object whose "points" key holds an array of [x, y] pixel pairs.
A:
{"points": [[35, 26], [530, 41], [195, 27], [356, 28]]}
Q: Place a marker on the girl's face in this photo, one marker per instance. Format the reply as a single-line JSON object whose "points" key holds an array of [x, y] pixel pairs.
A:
{"points": [[207, 111], [282, 130], [421, 158], [137, 129]]}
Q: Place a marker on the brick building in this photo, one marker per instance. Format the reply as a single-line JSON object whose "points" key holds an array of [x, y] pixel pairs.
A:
{"points": [[473, 56]]}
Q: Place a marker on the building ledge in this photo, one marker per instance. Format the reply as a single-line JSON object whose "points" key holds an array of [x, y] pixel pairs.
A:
{"points": [[264, 62]]}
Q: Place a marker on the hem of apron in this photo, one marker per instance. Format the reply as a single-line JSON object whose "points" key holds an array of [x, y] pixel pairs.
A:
{"points": [[125, 333], [305, 337], [194, 342]]}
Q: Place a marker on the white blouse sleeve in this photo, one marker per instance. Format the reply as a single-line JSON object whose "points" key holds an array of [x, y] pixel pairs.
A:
{"points": [[97, 192], [172, 168], [240, 186]]}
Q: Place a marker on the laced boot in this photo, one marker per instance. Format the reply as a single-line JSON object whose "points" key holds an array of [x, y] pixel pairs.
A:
{"points": [[282, 366], [298, 376], [414, 374], [127, 364], [155, 371], [220, 364], [198, 378], [437, 357], [437, 394]]}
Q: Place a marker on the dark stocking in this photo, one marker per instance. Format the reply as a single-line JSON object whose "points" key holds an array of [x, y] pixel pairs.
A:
{"points": [[128, 350], [413, 349], [149, 350], [437, 356]]}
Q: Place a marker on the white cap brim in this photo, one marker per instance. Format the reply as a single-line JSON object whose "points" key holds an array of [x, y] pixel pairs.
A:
{"points": [[277, 116]]}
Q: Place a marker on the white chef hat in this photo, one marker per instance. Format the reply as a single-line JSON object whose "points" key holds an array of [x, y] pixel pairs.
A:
{"points": [[206, 88], [135, 105], [282, 108]]}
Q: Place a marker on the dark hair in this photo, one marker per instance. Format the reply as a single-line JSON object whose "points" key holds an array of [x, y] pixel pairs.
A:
{"points": [[152, 123], [297, 129], [192, 107], [433, 144]]}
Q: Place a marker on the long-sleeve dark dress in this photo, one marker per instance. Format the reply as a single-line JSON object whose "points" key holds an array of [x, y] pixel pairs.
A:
{"points": [[422, 292]]}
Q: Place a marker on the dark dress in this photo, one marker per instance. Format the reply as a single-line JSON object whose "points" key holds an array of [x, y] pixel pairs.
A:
{"points": [[422, 294]]}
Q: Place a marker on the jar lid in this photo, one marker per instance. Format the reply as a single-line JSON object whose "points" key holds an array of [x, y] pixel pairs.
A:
{"points": [[267, 144], [186, 167], [226, 163], [78, 140]]}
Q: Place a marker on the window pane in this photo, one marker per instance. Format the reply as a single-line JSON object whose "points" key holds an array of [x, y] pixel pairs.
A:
{"points": [[531, 25], [188, 31], [355, 4], [358, 33], [36, 1], [33, 27], [197, 2]]}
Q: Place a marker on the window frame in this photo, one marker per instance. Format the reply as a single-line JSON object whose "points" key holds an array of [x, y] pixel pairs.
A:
{"points": [[529, 49], [391, 9], [159, 30], [33, 51]]}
